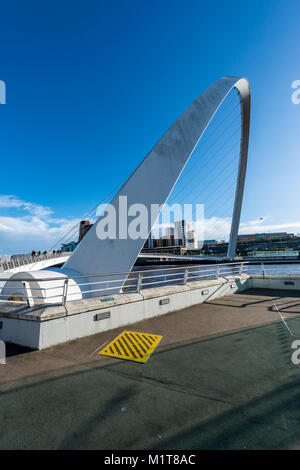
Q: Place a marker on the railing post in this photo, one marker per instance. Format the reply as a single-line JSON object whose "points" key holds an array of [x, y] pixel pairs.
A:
{"points": [[263, 269], [65, 292], [186, 276], [139, 282], [218, 271], [241, 268], [28, 294]]}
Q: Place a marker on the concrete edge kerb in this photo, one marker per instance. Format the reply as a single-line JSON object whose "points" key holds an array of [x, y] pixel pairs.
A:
{"points": [[44, 312]]}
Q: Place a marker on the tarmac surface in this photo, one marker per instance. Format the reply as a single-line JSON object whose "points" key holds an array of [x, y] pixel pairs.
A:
{"points": [[221, 378]]}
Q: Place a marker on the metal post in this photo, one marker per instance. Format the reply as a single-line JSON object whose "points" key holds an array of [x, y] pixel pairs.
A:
{"points": [[263, 269], [28, 294], [218, 271], [241, 268], [186, 275], [139, 282], [65, 292]]}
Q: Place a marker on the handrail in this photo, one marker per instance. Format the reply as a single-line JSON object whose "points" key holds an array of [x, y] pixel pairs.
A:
{"points": [[103, 284], [125, 273]]}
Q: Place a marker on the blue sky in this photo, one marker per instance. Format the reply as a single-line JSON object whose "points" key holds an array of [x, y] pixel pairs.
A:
{"points": [[92, 86]]}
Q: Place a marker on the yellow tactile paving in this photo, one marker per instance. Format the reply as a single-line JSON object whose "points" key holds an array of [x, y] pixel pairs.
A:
{"points": [[132, 346]]}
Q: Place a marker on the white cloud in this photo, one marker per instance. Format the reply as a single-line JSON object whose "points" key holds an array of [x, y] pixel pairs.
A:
{"points": [[35, 227], [292, 227], [219, 228], [10, 201], [216, 228]]}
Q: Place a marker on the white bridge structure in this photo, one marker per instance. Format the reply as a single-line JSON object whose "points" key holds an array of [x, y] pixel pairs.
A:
{"points": [[17, 264], [108, 262]]}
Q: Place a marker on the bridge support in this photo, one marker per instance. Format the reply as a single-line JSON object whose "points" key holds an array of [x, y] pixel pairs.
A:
{"points": [[244, 92]]}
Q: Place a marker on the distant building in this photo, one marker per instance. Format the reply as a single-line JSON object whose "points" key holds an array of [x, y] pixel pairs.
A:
{"points": [[268, 237], [191, 240], [181, 229], [169, 232], [84, 227], [149, 243], [179, 236], [257, 241], [176, 239], [210, 242], [274, 253], [68, 247]]}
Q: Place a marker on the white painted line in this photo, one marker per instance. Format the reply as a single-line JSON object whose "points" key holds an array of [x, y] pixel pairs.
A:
{"points": [[283, 320], [102, 345]]}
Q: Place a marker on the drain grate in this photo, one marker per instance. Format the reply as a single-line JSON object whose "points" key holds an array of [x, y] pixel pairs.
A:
{"points": [[132, 346]]}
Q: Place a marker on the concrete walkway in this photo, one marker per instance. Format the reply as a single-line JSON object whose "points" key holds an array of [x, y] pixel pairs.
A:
{"points": [[222, 377]]}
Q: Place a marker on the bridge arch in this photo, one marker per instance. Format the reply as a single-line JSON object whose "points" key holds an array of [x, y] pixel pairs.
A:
{"points": [[153, 180]]}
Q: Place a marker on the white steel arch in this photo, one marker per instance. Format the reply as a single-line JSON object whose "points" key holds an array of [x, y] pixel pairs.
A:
{"points": [[154, 179]]}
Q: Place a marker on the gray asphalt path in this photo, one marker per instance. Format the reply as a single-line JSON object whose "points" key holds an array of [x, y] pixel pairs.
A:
{"points": [[236, 390]]}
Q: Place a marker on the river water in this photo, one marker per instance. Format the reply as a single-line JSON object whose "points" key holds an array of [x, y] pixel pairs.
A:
{"points": [[163, 275], [292, 268]]}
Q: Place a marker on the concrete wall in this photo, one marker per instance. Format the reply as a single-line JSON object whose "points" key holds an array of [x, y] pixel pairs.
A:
{"points": [[275, 281], [44, 326]]}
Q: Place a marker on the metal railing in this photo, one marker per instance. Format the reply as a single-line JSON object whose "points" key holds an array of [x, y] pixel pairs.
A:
{"points": [[17, 261], [59, 290]]}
